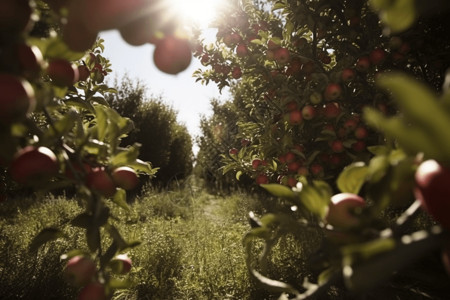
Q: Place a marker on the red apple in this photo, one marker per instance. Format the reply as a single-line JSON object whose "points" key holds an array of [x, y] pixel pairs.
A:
{"points": [[30, 59], [363, 64], [32, 163], [348, 75], [92, 291], [140, 31], [121, 264], [262, 179], [331, 110], [295, 117], [75, 33], [125, 177], [282, 55], [359, 146], [294, 166], [241, 50], [15, 17], [361, 132], [291, 105], [342, 210], [256, 163], [16, 98], [101, 182], [62, 72], [236, 73], [80, 270], [332, 92], [83, 73], [337, 146], [233, 151], [316, 169], [433, 190], [377, 56], [172, 54]]}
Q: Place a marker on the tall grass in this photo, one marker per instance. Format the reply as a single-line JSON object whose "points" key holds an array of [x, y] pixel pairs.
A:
{"points": [[191, 246]]}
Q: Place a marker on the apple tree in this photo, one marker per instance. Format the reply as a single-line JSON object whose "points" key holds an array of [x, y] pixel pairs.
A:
{"points": [[326, 97], [58, 130]]}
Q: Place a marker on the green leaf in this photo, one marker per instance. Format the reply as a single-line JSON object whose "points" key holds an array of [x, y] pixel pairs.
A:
{"points": [[115, 283], [279, 190], [352, 178], [398, 15], [109, 254], [46, 235], [83, 220], [238, 174], [120, 198], [316, 197], [93, 238]]}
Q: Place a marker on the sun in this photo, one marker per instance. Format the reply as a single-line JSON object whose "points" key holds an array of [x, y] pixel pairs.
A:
{"points": [[196, 12]]}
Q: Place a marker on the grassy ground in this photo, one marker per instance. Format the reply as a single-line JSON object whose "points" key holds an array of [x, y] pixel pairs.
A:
{"points": [[191, 246]]}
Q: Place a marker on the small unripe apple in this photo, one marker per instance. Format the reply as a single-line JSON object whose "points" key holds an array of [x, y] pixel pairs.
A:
{"points": [[172, 54], [101, 182], [342, 210], [125, 177], [16, 98], [282, 56], [315, 98], [121, 264], [433, 190], [33, 163], [308, 112], [80, 270], [62, 72], [93, 291]]}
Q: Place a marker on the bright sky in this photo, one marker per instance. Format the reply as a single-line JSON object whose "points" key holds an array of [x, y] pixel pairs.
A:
{"points": [[189, 98]]}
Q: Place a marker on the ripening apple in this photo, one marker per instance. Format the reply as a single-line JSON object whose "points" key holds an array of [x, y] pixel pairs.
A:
{"points": [[342, 210], [282, 55], [348, 75], [80, 270], [172, 54], [315, 98], [125, 177], [101, 182], [16, 98], [433, 190], [256, 163], [332, 92], [121, 264], [93, 291], [62, 72], [33, 163], [294, 117]]}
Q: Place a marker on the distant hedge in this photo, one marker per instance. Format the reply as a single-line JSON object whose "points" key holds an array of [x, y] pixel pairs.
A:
{"points": [[165, 142]]}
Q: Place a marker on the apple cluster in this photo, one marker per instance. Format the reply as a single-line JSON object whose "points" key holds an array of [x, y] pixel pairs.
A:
{"points": [[139, 22], [81, 271]]}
